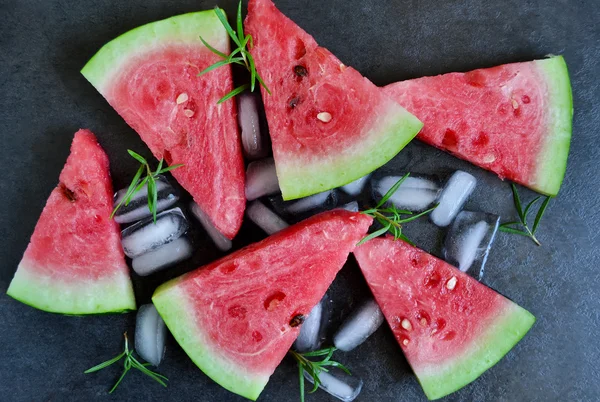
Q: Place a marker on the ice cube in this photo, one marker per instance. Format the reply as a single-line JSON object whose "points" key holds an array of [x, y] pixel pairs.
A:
{"points": [[359, 325], [356, 187], [220, 240], [264, 218], [310, 203], [469, 240], [137, 208], [150, 334], [162, 257], [254, 143], [146, 235], [261, 179], [458, 188], [312, 331], [338, 383], [414, 194], [351, 206]]}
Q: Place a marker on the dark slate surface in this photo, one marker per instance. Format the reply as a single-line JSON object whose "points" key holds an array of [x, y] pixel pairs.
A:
{"points": [[44, 100]]}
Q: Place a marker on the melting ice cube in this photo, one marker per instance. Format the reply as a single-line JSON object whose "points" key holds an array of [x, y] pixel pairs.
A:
{"points": [[339, 384], [312, 331], [264, 218], [254, 143], [414, 194], [150, 334], [162, 257], [261, 179], [458, 188], [137, 208], [356, 187], [359, 325], [469, 240], [220, 240], [146, 235], [351, 206]]}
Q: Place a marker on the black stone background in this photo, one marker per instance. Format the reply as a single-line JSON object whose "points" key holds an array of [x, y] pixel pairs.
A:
{"points": [[44, 100]]}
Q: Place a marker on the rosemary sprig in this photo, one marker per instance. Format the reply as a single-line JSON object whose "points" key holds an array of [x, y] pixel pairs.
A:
{"points": [[129, 363], [137, 183], [509, 227], [240, 55], [314, 368], [390, 217]]}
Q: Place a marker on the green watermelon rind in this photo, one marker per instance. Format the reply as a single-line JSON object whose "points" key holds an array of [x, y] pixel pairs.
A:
{"points": [[97, 296], [171, 304], [500, 337], [187, 28], [382, 142], [552, 160]]}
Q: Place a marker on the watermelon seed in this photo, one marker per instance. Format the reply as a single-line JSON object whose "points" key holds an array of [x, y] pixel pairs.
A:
{"points": [[405, 342], [272, 301], [297, 320], [325, 117], [423, 322], [489, 158], [406, 324], [515, 104], [68, 193], [300, 71], [183, 97], [188, 112], [294, 101], [451, 284]]}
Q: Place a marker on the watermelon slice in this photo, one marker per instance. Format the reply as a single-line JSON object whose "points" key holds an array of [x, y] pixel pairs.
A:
{"points": [[74, 263], [329, 125], [514, 119], [450, 327], [237, 317], [148, 75]]}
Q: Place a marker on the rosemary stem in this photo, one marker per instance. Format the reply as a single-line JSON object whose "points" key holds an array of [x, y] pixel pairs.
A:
{"points": [[390, 221]]}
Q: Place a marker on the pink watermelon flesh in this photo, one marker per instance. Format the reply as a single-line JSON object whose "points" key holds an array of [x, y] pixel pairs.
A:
{"points": [[450, 327], [234, 317], [74, 263], [155, 88], [514, 119], [329, 125]]}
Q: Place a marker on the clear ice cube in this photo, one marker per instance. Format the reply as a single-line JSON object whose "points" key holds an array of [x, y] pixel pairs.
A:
{"points": [[312, 331], [150, 334], [356, 187], [264, 218], [162, 257], [261, 179], [146, 235], [338, 383], [469, 240], [137, 208], [415, 194], [220, 240], [455, 193], [359, 325]]}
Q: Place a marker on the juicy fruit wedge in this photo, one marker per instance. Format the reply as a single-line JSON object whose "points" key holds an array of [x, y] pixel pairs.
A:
{"points": [[149, 76], [237, 317], [450, 327], [329, 125], [514, 119], [74, 263]]}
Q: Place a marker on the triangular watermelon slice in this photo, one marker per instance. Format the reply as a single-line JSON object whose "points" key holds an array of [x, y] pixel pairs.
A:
{"points": [[514, 119], [74, 263], [329, 125], [149, 75], [237, 317], [450, 327]]}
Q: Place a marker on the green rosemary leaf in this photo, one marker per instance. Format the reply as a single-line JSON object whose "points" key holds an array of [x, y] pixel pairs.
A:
{"points": [[105, 364], [138, 157], [223, 18], [130, 191], [373, 235], [539, 215], [517, 201], [528, 208], [212, 49], [169, 168], [217, 65], [159, 167], [417, 216], [406, 239], [233, 93], [507, 229], [320, 352], [510, 224], [240, 27], [391, 191], [301, 375]]}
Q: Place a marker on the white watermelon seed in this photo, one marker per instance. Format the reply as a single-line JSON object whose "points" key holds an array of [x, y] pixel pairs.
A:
{"points": [[406, 324], [188, 112], [489, 158], [182, 98], [451, 284], [325, 117], [405, 342], [423, 321], [515, 104]]}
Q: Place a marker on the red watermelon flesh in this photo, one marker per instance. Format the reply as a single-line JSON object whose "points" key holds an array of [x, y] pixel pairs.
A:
{"points": [[235, 317], [329, 125], [450, 327], [514, 119], [74, 263], [149, 75]]}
